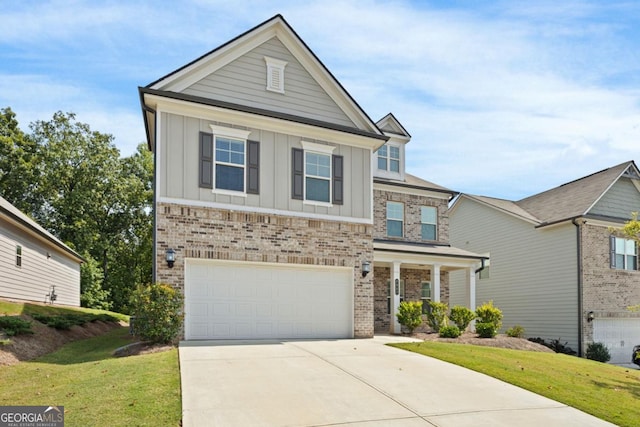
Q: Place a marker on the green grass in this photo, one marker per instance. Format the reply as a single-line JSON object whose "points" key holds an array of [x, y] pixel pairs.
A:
{"points": [[608, 392], [18, 308], [96, 388]]}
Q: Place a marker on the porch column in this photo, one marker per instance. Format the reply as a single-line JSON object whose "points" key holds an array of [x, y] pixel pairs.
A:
{"points": [[470, 276], [436, 283], [395, 298]]}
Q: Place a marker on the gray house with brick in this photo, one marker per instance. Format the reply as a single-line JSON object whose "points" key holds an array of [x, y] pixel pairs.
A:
{"points": [[558, 267], [281, 209]]}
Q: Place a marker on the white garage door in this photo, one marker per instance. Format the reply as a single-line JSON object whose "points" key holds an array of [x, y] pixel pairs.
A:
{"points": [[242, 300], [619, 335]]}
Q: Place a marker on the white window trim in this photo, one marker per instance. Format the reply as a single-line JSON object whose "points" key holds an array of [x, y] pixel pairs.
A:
{"points": [[324, 149], [236, 134], [387, 219], [275, 66], [429, 223], [624, 254], [388, 172], [425, 300]]}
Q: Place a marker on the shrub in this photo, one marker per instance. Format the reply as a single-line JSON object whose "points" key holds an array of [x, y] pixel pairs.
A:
{"points": [[449, 331], [598, 351], [555, 345], [14, 325], [486, 330], [462, 316], [158, 312], [516, 332], [437, 315], [487, 313], [410, 314]]}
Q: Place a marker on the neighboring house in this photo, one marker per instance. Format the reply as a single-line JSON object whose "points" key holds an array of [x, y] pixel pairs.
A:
{"points": [[264, 193], [558, 267], [35, 265]]}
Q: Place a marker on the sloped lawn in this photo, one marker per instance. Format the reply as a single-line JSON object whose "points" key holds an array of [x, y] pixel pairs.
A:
{"points": [[96, 388], [608, 392]]}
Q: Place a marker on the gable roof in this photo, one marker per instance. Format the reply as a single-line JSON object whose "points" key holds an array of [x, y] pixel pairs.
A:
{"points": [[10, 213], [390, 124], [413, 182], [565, 202], [175, 82]]}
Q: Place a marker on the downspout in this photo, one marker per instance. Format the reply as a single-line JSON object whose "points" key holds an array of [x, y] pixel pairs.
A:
{"points": [[580, 292], [482, 266]]}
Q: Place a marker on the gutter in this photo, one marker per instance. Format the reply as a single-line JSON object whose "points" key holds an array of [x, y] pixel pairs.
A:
{"points": [[580, 290], [482, 267]]}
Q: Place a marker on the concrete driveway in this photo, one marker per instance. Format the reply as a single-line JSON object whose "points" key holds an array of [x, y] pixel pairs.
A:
{"points": [[349, 383]]}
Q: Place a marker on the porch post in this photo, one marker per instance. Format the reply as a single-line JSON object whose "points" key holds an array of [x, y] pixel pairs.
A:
{"points": [[436, 283], [395, 297], [470, 274]]}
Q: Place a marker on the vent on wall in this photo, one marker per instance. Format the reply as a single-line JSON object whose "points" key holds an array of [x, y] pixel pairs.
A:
{"points": [[275, 74]]}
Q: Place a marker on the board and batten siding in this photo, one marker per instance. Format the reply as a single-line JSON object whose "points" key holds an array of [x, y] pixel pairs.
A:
{"points": [[620, 201], [244, 80], [178, 170], [533, 272], [32, 281]]}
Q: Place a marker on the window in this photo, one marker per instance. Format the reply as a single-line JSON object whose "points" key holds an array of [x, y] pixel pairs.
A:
{"points": [[389, 158], [624, 254], [18, 256], [425, 296], [317, 172], [395, 219], [228, 161], [429, 222], [389, 294], [275, 74]]}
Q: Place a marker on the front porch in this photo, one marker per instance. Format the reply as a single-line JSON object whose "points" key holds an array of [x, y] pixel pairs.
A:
{"points": [[406, 271]]}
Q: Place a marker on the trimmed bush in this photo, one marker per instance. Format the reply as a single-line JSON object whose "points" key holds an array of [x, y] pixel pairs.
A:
{"points": [[462, 316], [449, 332], [598, 351], [555, 345], [14, 325], [437, 316], [158, 313], [516, 332], [487, 313], [410, 314], [486, 330]]}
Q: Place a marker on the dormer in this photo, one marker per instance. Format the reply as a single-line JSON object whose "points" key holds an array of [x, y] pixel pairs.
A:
{"points": [[389, 160]]}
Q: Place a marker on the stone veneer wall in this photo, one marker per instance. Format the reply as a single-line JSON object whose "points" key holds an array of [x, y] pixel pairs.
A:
{"points": [[412, 223], [606, 291], [413, 279], [207, 233]]}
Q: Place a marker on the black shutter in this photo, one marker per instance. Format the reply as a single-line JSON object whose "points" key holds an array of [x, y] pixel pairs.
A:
{"points": [[206, 160], [253, 167], [297, 177], [612, 251], [337, 180]]}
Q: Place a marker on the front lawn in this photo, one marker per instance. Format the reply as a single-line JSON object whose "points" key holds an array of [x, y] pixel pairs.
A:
{"points": [[96, 388], [608, 392]]}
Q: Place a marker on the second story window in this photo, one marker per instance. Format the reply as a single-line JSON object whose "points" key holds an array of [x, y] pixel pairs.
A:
{"points": [[429, 222], [18, 256], [229, 164], [317, 177], [624, 254], [389, 158], [317, 174], [395, 219]]}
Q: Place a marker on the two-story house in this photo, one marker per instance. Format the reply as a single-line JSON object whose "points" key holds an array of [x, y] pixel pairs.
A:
{"points": [[558, 267], [264, 197]]}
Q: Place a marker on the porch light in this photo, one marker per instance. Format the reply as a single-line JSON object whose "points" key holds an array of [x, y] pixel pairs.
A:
{"points": [[366, 268], [590, 316], [170, 257]]}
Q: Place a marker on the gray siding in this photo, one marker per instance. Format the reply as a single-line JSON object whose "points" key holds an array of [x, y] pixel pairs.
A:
{"points": [[243, 81], [178, 170], [621, 199], [533, 273], [33, 279]]}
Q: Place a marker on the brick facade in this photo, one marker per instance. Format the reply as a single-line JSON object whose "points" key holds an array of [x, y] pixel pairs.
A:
{"points": [[412, 216], [207, 233], [606, 291]]}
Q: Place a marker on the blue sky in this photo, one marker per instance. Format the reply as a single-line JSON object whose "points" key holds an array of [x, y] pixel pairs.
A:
{"points": [[502, 98]]}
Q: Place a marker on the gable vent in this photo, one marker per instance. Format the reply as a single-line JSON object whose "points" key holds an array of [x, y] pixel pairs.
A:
{"points": [[275, 74], [631, 173]]}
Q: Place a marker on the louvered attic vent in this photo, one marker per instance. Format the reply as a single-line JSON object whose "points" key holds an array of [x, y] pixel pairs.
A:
{"points": [[275, 74], [631, 173]]}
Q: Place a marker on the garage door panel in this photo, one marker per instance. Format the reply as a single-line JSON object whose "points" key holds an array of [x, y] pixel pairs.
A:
{"points": [[619, 335], [245, 300]]}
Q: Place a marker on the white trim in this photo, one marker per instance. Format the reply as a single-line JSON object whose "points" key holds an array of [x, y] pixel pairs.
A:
{"points": [[319, 148], [275, 67], [230, 132], [269, 211], [234, 165], [411, 191]]}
